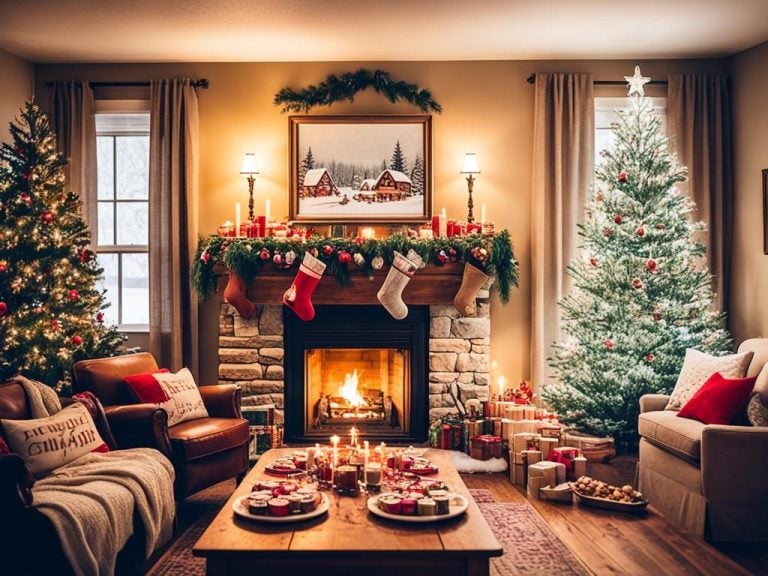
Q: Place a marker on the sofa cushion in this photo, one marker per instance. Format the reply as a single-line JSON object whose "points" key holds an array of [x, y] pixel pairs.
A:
{"points": [[719, 400], [145, 388], [699, 366], [48, 443], [204, 436], [680, 436], [185, 402], [757, 412]]}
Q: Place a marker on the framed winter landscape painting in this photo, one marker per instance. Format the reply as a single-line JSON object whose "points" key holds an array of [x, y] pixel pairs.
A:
{"points": [[357, 169]]}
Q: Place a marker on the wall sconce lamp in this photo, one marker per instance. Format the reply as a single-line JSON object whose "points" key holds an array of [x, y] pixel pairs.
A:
{"points": [[249, 169], [470, 168]]}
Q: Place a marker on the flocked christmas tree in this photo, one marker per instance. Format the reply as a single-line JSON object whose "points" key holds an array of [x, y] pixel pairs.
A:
{"points": [[642, 292], [50, 308]]}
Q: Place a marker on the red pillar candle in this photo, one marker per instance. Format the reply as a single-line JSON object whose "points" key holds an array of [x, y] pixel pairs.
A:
{"points": [[436, 226], [261, 221]]}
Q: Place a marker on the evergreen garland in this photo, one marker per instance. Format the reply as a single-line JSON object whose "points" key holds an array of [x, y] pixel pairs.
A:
{"points": [[247, 256], [337, 88]]}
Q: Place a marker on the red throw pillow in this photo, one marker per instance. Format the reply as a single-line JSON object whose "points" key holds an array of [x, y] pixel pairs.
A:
{"points": [[719, 400], [145, 388]]}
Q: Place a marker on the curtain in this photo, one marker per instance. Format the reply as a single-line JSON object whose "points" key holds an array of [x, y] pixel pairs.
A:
{"points": [[563, 168], [74, 121], [698, 108], [173, 221]]}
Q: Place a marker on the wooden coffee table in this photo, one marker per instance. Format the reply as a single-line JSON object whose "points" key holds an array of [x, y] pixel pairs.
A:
{"points": [[349, 539]]}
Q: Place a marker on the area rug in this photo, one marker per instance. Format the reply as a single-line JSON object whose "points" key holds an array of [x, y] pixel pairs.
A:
{"points": [[530, 546]]}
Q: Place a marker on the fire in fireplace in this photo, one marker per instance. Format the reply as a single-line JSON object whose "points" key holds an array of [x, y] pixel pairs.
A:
{"points": [[356, 366]]}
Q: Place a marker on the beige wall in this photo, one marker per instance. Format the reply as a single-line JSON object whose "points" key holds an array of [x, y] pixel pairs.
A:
{"points": [[749, 306], [18, 80], [487, 109]]}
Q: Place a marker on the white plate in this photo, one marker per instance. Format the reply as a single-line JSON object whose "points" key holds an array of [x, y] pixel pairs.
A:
{"points": [[458, 505], [241, 509]]}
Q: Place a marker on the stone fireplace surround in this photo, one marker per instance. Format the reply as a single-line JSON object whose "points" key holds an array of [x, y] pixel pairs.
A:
{"points": [[251, 352]]}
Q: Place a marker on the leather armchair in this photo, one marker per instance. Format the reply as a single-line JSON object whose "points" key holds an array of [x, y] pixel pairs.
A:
{"points": [[24, 530], [204, 451], [710, 479]]}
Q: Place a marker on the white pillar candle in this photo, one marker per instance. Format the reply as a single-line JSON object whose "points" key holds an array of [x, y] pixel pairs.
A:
{"points": [[237, 218], [502, 380], [443, 228]]}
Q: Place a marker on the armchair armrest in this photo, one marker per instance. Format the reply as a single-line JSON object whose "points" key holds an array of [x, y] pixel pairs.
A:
{"points": [[16, 483], [139, 425], [221, 400], [653, 402], [726, 450]]}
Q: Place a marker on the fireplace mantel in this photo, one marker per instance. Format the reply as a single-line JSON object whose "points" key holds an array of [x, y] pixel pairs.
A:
{"points": [[431, 285]]}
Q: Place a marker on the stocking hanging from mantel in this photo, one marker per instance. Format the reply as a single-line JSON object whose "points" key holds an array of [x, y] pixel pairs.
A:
{"points": [[298, 296], [234, 294], [471, 282], [391, 292]]}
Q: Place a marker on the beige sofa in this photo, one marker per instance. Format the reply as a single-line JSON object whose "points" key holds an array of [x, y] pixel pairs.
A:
{"points": [[712, 480]]}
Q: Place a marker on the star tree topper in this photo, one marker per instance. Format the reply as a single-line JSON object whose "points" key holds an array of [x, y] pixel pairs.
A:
{"points": [[636, 83]]}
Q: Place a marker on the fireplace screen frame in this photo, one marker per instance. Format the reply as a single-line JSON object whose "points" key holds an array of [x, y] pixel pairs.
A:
{"points": [[356, 327]]}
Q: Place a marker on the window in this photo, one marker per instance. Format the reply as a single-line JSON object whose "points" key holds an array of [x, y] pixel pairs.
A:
{"points": [[606, 109], [122, 141]]}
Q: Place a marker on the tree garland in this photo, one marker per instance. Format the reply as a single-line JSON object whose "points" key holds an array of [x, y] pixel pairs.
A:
{"points": [[247, 256], [337, 88]]}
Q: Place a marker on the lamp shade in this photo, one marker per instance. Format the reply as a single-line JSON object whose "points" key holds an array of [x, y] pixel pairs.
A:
{"points": [[470, 164], [249, 164]]}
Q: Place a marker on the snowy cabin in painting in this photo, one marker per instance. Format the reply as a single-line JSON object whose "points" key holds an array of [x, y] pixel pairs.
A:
{"points": [[317, 182], [368, 184], [392, 185]]}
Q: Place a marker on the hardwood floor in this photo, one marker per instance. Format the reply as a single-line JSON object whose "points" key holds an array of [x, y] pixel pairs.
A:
{"points": [[616, 543]]}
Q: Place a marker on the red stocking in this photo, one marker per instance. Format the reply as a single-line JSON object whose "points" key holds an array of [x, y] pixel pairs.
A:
{"points": [[297, 297], [234, 293]]}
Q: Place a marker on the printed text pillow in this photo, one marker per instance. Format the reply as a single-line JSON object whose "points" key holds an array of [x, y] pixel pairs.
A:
{"points": [[185, 402], [699, 366], [48, 443]]}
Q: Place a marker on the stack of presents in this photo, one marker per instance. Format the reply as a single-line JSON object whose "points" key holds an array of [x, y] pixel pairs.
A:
{"points": [[542, 455]]}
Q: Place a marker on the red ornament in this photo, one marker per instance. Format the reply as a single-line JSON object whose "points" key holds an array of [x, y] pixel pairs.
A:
{"points": [[650, 357], [73, 295], [637, 284], [480, 254], [452, 253], [650, 265], [593, 261], [205, 257], [327, 249], [623, 176], [640, 231], [77, 340], [85, 255], [608, 343], [607, 231], [657, 315], [55, 325], [3, 309], [3, 266], [277, 259], [441, 257], [100, 317], [359, 241], [47, 216], [26, 198], [264, 253], [345, 257], [618, 219]]}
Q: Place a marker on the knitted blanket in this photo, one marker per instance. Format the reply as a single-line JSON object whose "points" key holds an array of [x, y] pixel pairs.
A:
{"points": [[92, 501]]}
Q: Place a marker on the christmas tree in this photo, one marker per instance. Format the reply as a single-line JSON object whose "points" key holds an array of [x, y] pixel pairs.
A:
{"points": [[642, 292], [50, 309]]}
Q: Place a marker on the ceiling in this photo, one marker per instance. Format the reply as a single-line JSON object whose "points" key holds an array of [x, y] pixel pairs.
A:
{"points": [[361, 30]]}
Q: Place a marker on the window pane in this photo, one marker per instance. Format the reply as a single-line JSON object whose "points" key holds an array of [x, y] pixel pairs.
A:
{"points": [[108, 261], [135, 289], [105, 160], [133, 167], [106, 224], [132, 223]]}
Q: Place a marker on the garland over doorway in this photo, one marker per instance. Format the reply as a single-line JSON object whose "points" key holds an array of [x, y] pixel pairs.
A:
{"points": [[337, 88]]}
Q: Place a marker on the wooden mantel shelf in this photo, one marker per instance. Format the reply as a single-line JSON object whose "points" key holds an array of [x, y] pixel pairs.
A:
{"points": [[430, 285]]}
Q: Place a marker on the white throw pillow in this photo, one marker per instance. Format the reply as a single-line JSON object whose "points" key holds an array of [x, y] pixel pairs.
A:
{"points": [[699, 366], [185, 402], [48, 443]]}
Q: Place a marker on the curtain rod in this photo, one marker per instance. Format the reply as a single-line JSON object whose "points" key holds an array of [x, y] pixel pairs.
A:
{"points": [[202, 83], [532, 78]]}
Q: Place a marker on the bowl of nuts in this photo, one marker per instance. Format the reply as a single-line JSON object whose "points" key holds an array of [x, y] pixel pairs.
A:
{"points": [[592, 492]]}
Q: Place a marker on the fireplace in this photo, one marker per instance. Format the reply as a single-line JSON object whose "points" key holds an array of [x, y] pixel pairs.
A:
{"points": [[356, 366]]}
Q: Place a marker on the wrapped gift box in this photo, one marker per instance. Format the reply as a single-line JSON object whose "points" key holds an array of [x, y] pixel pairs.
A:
{"points": [[485, 447], [592, 448]]}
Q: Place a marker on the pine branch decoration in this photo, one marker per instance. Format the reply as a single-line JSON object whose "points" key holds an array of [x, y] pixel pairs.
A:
{"points": [[338, 88]]}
